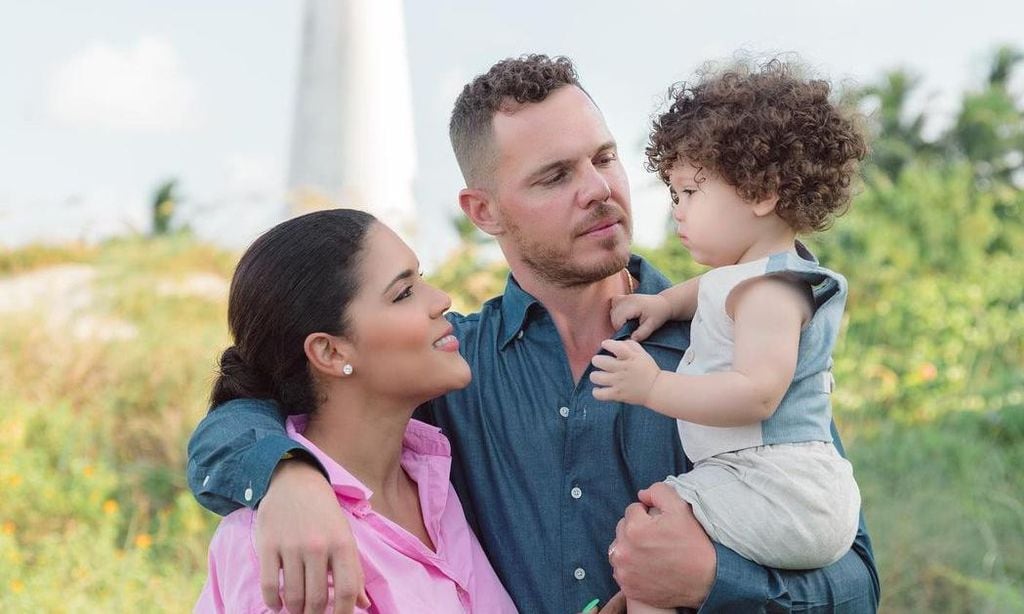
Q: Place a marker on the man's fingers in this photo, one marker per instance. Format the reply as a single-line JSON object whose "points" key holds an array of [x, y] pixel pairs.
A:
{"points": [[270, 579], [634, 513], [348, 585], [661, 496], [615, 605], [315, 570], [294, 582]]}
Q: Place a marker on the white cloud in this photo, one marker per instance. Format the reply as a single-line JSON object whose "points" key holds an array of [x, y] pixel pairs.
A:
{"points": [[142, 88]]}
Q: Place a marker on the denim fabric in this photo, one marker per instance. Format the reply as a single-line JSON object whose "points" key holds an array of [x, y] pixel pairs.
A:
{"points": [[544, 471]]}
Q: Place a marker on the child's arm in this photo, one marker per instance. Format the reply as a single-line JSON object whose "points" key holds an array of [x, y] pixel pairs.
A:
{"points": [[676, 303], [768, 314]]}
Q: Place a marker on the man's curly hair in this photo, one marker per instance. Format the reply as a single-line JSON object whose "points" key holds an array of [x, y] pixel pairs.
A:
{"points": [[765, 131], [510, 82]]}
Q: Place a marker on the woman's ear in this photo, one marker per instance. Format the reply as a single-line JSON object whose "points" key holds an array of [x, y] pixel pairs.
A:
{"points": [[329, 354], [479, 207], [766, 206]]}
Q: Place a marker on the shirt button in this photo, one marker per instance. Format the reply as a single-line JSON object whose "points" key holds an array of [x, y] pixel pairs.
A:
{"points": [[248, 494], [579, 574], [576, 492], [563, 411], [519, 335]]}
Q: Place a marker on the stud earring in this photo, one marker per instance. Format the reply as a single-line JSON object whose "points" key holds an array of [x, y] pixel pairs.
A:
{"points": [[347, 369]]}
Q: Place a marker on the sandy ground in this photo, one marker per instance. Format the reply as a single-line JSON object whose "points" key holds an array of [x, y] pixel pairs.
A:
{"points": [[64, 296]]}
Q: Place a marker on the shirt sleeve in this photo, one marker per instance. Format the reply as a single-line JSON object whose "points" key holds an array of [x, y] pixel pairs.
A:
{"points": [[848, 585], [234, 451]]}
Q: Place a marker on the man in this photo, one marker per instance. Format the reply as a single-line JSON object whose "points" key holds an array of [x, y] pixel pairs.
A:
{"points": [[544, 471]]}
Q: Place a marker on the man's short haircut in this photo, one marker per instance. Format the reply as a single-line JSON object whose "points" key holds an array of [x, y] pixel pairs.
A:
{"points": [[510, 82], [766, 130]]}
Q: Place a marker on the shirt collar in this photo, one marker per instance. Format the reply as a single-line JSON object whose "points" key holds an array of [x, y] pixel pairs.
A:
{"points": [[420, 438], [516, 304]]}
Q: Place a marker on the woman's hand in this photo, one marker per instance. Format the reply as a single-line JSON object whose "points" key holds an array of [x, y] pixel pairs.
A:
{"points": [[301, 529]]}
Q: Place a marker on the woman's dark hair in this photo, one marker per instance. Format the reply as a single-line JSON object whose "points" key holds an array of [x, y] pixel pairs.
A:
{"points": [[297, 278]]}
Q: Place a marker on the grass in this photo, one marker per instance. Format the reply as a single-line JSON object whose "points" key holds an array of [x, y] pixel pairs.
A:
{"points": [[96, 514]]}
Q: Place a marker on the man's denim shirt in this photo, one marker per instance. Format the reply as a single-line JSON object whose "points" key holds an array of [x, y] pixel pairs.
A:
{"points": [[543, 470]]}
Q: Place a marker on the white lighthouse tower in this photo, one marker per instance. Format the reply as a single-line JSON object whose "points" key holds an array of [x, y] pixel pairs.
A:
{"points": [[352, 141]]}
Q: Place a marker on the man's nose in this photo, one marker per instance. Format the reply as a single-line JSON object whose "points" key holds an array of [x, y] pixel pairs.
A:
{"points": [[597, 188]]}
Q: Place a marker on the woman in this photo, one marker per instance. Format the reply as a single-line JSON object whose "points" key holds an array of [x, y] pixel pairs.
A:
{"points": [[331, 319]]}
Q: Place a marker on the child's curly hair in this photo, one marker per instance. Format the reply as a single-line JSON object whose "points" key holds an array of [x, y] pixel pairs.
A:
{"points": [[765, 131]]}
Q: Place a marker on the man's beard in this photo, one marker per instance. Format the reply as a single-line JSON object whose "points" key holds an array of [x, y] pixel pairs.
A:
{"points": [[555, 265]]}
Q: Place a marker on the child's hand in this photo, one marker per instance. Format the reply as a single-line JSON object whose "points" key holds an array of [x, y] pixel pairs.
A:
{"points": [[653, 310], [628, 375]]}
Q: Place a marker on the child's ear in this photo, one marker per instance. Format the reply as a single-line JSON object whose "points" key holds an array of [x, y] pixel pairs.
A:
{"points": [[766, 206]]}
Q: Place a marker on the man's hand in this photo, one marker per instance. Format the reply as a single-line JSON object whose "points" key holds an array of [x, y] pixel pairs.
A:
{"points": [[652, 310], [627, 376], [301, 529], [662, 556]]}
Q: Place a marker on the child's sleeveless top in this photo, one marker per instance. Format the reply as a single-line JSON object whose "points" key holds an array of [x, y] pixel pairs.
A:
{"points": [[805, 413]]}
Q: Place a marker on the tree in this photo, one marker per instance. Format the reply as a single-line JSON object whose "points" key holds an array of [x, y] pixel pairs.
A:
{"points": [[165, 198]]}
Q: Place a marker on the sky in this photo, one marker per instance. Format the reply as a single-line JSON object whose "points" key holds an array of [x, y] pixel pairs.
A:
{"points": [[102, 101]]}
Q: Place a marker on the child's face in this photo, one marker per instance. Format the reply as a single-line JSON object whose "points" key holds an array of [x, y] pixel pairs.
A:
{"points": [[715, 225]]}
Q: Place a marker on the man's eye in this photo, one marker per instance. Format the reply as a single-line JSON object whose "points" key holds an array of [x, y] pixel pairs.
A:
{"points": [[556, 178], [608, 158]]}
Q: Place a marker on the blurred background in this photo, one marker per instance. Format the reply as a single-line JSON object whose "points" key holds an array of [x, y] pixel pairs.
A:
{"points": [[143, 145]]}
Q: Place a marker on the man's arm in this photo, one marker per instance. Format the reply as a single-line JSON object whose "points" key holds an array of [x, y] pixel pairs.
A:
{"points": [[848, 585], [660, 572], [234, 451], [300, 529]]}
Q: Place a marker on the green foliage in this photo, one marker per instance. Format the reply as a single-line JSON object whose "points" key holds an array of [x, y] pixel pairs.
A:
{"points": [[93, 431], [96, 514], [32, 257], [165, 200]]}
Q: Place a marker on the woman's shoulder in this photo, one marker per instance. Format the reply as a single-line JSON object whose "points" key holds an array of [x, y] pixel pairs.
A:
{"points": [[234, 540]]}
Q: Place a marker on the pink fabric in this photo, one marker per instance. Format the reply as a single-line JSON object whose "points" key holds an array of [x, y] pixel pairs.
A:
{"points": [[402, 575]]}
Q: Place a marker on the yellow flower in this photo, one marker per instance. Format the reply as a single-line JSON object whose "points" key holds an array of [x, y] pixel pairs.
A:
{"points": [[17, 586], [8, 528], [110, 507], [143, 541], [88, 471], [14, 480]]}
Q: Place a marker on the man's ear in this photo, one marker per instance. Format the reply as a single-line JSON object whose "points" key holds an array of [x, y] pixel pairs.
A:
{"points": [[480, 208], [328, 354], [766, 206]]}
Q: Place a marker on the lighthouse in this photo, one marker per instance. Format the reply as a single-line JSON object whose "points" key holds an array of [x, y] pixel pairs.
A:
{"points": [[352, 139]]}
